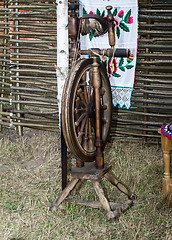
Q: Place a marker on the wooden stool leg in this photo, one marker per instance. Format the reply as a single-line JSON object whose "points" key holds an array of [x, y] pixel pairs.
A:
{"points": [[166, 155], [64, 194], [112, 179], [166, 179], [104, 202]]}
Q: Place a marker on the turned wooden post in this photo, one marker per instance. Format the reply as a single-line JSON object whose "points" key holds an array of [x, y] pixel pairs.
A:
{"points": [[121, 186], [64, 194], [104, 202], [97, 85], [166, 145], [73, 30], [111, 31]]}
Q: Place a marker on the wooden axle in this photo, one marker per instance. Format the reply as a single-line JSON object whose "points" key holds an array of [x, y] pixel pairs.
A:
{"points": [[109, 52]]}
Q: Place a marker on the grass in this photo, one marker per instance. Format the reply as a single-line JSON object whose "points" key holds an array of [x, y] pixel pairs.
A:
{"points": [[30, 175]]}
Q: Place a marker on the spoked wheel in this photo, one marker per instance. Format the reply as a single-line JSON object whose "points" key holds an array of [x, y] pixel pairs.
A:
{"points": [[78, 110]]}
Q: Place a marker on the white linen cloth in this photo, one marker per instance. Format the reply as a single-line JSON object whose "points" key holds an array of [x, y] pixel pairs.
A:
{"points": [[121, 71]]}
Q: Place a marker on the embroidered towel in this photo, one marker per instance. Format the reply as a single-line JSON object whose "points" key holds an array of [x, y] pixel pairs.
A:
{"points": [[121, 70]]}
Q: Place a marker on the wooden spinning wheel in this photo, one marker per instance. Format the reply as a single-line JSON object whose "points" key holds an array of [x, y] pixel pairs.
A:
{"points": [[78, 110], [86, 117]]}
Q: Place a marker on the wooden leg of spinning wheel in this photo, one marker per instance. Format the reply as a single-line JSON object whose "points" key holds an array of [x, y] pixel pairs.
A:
{"points": [[77, 186], [112, 179], [104, 202], [64, 194]]}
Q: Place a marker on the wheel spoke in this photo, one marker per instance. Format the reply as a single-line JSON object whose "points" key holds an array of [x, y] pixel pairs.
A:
{"points": [[78, 100], [90, 136], [81, 132], [84, 78], [80, 119], [85, 142], [89, 91], [81, 110], [80, 94], [85, 92]]}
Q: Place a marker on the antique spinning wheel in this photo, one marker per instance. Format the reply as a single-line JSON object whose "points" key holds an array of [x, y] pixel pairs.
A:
{"points": [[78, 110]]}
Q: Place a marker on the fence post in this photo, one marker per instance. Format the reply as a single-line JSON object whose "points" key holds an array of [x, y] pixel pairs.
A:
{"points": [[4, 63], [145, 95], [18, 105], [62, 71], [62, 47]]}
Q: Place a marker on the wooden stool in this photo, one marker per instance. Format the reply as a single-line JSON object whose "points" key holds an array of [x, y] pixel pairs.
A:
{"points": [[166, 145]]}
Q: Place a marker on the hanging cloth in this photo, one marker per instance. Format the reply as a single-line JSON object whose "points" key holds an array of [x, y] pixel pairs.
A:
{"points": [[121, 71]]}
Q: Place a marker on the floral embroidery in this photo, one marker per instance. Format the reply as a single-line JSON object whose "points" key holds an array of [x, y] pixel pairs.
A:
{"points": [[130, 20], [112, 66], [122, 25], [115, 65], [121, 14], [121, 19]]}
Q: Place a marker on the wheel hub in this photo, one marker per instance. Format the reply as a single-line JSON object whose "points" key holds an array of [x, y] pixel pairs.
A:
{"points": [[90, 110]]}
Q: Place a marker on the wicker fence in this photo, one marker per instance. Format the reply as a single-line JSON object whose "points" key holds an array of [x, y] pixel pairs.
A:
{"points": [[4, 61], [30, 63], [28, 77]]}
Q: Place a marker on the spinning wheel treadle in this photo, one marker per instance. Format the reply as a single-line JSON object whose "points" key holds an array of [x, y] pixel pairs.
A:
{"points": [[78, 110]]}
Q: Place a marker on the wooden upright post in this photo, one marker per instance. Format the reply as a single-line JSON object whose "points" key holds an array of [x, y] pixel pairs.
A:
{"points": [[166, 145], [62, 71], [96, 86]]}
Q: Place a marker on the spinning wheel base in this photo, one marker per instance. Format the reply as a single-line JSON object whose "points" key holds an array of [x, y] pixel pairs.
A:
{"points": [[89, 172]]}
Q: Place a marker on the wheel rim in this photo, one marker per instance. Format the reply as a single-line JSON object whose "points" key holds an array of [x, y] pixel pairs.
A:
{"points": [[78, 111]]}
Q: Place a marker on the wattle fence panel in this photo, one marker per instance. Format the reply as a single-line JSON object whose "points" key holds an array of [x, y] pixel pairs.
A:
{"points": [[28, 84], [5, 91], [32, 38]]}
